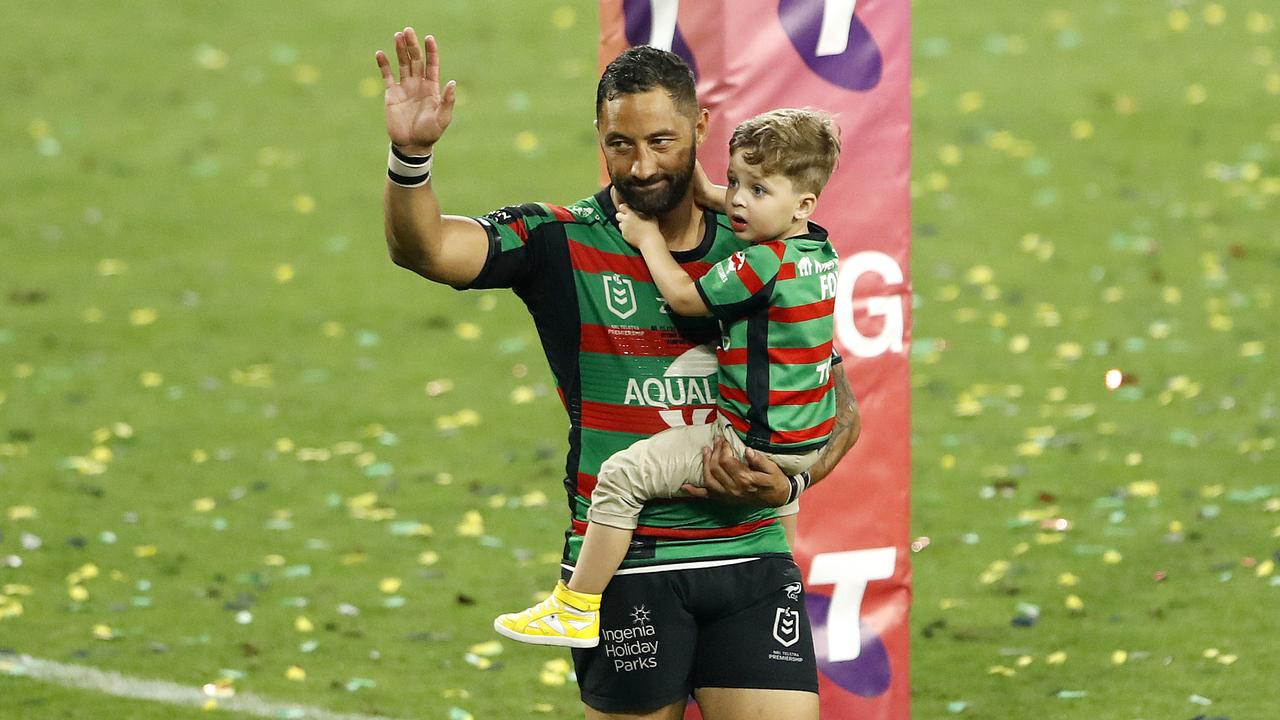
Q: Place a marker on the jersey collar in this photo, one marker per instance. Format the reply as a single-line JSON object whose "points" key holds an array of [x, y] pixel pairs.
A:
{"points": [[604, 199], [816, 232]]}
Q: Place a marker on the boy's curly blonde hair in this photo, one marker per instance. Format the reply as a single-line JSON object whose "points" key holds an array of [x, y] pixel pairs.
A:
{"points": [[799, 144]]}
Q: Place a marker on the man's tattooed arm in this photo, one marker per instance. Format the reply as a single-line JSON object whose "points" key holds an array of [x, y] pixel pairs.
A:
{"points": [[845, 432]]}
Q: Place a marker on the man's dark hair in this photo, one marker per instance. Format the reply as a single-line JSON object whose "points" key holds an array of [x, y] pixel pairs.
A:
{"points": [[644, 68]]}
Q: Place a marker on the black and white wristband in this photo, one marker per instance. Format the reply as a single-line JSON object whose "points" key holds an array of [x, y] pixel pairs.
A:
{"points": [[799, 483], [408, 171]]}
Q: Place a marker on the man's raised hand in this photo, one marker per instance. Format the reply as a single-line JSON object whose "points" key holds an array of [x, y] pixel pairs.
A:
{"points": [[418, 112]]}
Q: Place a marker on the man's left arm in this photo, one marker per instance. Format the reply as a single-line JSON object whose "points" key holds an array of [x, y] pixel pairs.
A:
{"points": [[759, 481], [844, 433]]}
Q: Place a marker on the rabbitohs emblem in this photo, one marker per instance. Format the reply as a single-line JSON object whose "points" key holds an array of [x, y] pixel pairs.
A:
{"points": [[793, 591], [620, 296]]}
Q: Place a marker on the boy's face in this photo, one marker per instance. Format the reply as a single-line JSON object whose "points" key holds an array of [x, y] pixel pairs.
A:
{"points": [[764, 207]]}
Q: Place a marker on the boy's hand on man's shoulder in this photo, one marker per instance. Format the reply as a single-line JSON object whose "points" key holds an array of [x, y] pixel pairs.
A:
{"points": [[706, 193]]}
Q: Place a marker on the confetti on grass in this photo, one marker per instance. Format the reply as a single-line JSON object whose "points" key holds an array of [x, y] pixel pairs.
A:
{"points": [[1093, 283]]}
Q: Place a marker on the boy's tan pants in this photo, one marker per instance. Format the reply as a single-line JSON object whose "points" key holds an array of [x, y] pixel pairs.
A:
{"points": [[656, 467]]}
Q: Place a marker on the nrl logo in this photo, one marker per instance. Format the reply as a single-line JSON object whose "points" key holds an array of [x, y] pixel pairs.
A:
{"points": [[786, 627], [620, 296]]}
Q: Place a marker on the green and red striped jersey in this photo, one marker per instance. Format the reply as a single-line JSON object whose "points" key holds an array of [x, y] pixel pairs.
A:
{"points": [[774, 301], [625, 366]]}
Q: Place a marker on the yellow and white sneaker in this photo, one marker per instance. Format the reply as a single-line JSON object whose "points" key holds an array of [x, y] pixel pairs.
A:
{"points": [[566, 618]]}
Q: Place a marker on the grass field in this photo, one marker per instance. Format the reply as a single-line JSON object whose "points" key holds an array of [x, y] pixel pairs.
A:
{"points": [[237, 443]]}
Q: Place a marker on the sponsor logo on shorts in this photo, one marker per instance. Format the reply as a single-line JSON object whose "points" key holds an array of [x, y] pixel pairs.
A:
{"points": [[786, 627], [640, 615], [632, 648]]}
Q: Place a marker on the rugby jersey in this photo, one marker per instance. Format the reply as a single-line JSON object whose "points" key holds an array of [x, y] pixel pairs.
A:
{"points": [[774, 301], [624, 365]]}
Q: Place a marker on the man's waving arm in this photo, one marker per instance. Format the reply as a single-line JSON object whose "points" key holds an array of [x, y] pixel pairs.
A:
{"points": [[444, 248]]}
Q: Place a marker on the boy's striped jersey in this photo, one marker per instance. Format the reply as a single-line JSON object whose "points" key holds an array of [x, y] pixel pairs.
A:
{"points": [[774, 301]]}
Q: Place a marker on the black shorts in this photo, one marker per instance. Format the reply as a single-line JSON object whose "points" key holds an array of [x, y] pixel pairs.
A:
{"points": [[662, 634]]}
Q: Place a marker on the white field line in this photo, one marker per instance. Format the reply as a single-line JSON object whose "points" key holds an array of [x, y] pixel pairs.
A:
{"points": [[112, 683]]}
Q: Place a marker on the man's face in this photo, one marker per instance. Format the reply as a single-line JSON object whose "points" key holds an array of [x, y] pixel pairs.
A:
{"points": [[649, 147]]}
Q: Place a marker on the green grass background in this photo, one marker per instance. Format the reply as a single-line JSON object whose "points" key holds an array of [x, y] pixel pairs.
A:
{"points": [[1095, 187]]}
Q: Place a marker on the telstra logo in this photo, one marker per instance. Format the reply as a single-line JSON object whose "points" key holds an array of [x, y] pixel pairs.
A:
{"points": [[827, 34]]}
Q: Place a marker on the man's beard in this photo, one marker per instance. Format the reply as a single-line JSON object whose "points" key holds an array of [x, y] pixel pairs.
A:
{"points": [[656, 203]]}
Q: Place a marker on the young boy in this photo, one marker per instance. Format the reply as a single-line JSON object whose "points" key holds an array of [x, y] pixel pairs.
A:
{"points": [[774, 301]]}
